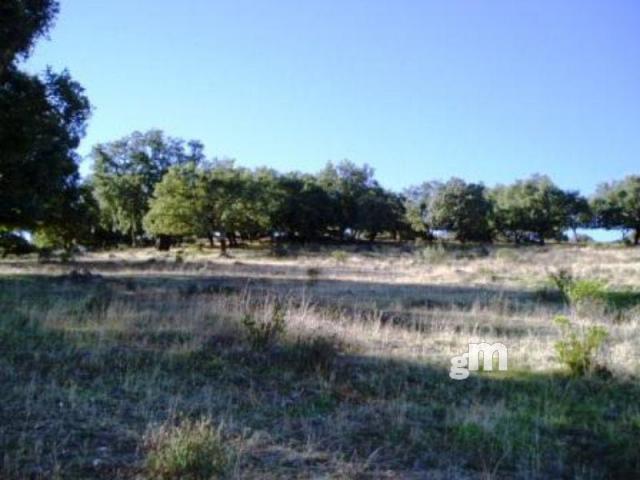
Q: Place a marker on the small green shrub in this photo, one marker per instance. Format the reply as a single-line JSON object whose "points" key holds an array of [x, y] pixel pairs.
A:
{"points": [[262, 333], [586, 291], [433, 254], [339, 256], [189, 451], [576, 292], [578, 348]]}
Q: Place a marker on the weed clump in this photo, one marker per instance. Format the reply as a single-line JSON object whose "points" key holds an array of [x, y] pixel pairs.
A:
{"points": [[339, 256], [262, 333], [433, 254], [579, 292], [192, 450], [577, 348], [316, 354]]}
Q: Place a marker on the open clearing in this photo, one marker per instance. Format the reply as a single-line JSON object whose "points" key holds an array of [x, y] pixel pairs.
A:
{"points": [[104, 357]]}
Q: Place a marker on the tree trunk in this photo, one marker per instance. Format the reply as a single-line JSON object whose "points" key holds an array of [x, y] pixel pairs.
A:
{"points": [[163, 243], [210, 238], [133, 237], [223, 246], [636, 236]]}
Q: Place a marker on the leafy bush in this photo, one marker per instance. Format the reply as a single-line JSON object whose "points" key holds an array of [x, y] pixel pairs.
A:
{"points": [[262, 333], [189, 451], [578, 348]]}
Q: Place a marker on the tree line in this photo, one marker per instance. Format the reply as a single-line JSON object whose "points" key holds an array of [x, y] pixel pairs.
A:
{"points": [[150, 186], [153, 187]]}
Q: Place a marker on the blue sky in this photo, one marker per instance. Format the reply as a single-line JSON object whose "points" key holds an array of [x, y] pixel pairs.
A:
{"points": [[489, 90]]}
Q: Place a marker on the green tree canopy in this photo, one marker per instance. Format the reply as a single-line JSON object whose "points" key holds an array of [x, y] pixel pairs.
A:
{"points": [[534, 209], [617, 205], [379, 210], [418, 202], [345, 183], [181, 204], [21, 23], [42, 121], [125, 173], [74, 222], [303, 208], [462, 208]]}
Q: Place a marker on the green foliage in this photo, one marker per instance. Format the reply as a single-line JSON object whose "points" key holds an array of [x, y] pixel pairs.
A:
{"points": [[587, 291], [617, 205], [359, 205], [181, 204], [261, 333], [243, 201], [418, 207], [302, 207], [38, 163], [192, 450], [379, 211], [536, 209], [74, 222], [346, 183], [462, 208], [126, 172], [578, 347], [43, 119], [578, 214], [13, 244], [21, 23], [577, 292]]}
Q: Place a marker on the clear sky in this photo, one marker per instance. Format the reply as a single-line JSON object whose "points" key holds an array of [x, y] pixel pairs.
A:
{"points": [[487, 90]]}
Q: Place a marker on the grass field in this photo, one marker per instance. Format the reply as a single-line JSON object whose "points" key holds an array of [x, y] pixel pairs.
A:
{"points": [[316, 363]]}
